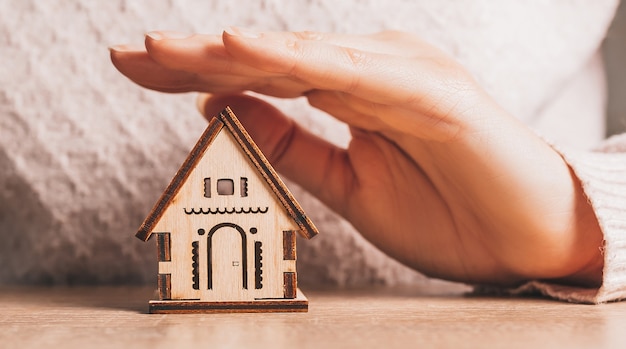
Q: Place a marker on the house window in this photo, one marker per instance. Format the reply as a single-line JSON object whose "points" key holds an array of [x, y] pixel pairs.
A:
{"points": [[243, 186], [207, 187], [225, 186]]}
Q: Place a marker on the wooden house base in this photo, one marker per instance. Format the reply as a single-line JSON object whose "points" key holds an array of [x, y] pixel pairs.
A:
{"points": [[300, 304]]}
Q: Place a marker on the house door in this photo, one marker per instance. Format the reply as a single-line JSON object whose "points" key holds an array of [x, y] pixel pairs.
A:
{"points": [[227, 261]]}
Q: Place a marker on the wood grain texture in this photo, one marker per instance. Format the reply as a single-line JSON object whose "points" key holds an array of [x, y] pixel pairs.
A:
{"points": [[226, 223], [293, 208], [164, 286], [145, 230], [212, 247], [221, 242], [289, 245], [299, 303], [227, 118], [290, 285], [424, 317], [163, 247]]}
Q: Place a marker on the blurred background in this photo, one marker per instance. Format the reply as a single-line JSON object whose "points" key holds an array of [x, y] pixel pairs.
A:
{"points": [[614, 50], [84, 153]]}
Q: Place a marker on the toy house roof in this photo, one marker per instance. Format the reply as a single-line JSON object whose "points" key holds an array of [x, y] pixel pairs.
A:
{"points": [[228, 119]]}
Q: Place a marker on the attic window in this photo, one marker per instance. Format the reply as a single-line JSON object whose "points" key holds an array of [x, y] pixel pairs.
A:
{"points": [[225, 186], [207, 187], [243, 184]]}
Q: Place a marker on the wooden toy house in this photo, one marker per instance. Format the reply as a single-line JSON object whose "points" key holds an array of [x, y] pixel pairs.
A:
{"points": [[225, 230]]}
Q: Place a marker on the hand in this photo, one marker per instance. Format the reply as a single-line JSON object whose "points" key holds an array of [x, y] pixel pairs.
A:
{"points": [[437, 175]]}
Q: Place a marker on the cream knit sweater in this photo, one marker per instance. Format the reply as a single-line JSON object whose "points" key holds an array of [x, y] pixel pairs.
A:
{"points": [[603, 175]]}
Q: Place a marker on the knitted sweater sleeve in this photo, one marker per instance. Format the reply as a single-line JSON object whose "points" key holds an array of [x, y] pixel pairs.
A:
{"points": [[602, 173]]}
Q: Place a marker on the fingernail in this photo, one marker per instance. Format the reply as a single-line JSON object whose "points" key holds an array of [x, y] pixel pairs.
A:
{"points": [[243, 32], [118, 48], [160, 35], [126, 48]]}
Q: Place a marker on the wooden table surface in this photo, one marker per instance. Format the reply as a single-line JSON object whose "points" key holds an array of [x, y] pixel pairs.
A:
{"points": [[115, 317]]}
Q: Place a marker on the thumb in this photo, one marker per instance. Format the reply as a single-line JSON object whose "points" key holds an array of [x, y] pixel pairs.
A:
{"points": [[318, 166]]}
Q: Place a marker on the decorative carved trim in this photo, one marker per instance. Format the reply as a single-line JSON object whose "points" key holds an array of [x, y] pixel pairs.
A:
{"points": [[234, 210], [195, 265], [258, 265]]}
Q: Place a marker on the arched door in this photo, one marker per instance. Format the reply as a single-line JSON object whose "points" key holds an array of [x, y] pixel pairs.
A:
{"points": [[227, 259]]}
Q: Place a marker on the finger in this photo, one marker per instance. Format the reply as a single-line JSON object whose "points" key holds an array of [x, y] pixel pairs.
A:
{"points": [[217, 71], [206, 54], [386, 42], [368, 115], [319, 167], [136, 64], [436, 89], [383, 78], [213, 70], [333, 104], [196, 53]]}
